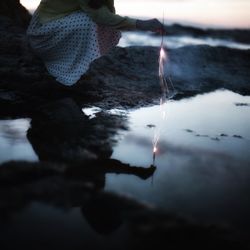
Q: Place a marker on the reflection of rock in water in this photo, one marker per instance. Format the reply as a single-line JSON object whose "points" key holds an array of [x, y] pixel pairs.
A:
{"points": [[65, 187], [75, 155], [61, 132]]}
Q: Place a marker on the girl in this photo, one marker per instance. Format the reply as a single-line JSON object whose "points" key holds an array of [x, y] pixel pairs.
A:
{"points": [[69, 34]]}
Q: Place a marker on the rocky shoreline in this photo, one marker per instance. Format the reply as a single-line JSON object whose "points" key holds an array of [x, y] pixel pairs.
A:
{"points": [[74, 152], [236, 35], [127, 77]]}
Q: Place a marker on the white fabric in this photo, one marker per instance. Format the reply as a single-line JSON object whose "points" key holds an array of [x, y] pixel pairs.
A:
{"points": [[68, 45]]}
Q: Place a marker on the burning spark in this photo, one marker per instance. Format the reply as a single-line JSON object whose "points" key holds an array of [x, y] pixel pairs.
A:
{"points": [[163, 82], [163, 55], [155, 143]]}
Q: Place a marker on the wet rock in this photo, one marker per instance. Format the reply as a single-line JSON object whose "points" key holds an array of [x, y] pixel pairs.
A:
{"points": [[151, 126], [223, 135], [199, 135], [237, 35], [238, 136], [186, 67], [189, 130], [239, 104], [132, 72], [125, 78]]}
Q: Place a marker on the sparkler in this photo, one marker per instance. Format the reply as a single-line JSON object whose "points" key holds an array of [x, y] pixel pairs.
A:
{"points": [[166, 91]]}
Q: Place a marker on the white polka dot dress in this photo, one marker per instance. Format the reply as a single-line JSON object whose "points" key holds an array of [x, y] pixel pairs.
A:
{"points": [[68, 45]]}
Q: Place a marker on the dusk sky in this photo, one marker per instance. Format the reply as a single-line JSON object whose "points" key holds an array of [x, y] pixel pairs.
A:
{"points": [[222, 13]]}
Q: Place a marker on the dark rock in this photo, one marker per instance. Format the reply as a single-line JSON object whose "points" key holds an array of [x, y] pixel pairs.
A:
{"points": [[188, 74], [239, 104], [223, 135], [189, 130], [237, 35], [198, 135], [215, 139], [127, 77], [132, 72], [151, 126], [238, 136]]}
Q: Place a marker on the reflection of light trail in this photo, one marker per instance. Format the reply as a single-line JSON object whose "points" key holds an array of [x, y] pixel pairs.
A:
{"points": [[167, 93], [155, 143]]}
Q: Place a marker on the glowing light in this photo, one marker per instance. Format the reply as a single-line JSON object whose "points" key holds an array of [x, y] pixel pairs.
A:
{"points": [[167, 93], [163, 55]]}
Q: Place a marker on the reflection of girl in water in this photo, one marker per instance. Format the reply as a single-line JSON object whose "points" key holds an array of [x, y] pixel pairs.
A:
{"points": [[69, 34], [102, 214]]}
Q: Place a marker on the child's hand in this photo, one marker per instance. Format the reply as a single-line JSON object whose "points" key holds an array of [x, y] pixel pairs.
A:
{"points": [[150, 25]]}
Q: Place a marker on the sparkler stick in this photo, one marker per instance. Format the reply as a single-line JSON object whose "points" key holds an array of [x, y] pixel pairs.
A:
{"points": [[164, 88]]}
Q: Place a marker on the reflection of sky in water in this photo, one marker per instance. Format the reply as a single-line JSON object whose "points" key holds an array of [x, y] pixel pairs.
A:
{"points": [[188, 179], [14, 144], [208, 116], [222, 116], [145, 39], [185, 181]]}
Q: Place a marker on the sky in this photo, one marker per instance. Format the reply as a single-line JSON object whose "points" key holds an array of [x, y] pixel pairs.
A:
{"points": [[211, 13]]}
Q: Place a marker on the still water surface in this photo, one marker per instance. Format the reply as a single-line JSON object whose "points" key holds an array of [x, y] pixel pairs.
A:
{"points": [[204, 153], [202, 170]]}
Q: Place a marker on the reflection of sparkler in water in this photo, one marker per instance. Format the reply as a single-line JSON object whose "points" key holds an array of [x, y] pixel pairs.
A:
{"points": [[157, 131], [167, 93], [155, 143]]}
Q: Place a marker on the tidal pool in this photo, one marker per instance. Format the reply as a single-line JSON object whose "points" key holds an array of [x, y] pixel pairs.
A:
{"points": [[202, 160], [202, 169], [217, 121]]}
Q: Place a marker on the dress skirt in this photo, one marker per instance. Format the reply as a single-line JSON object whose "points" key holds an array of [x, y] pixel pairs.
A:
{"points": [[68, 45]]}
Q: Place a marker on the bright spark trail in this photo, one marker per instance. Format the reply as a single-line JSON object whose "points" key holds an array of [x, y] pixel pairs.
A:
{"points": [[167, 90]]}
